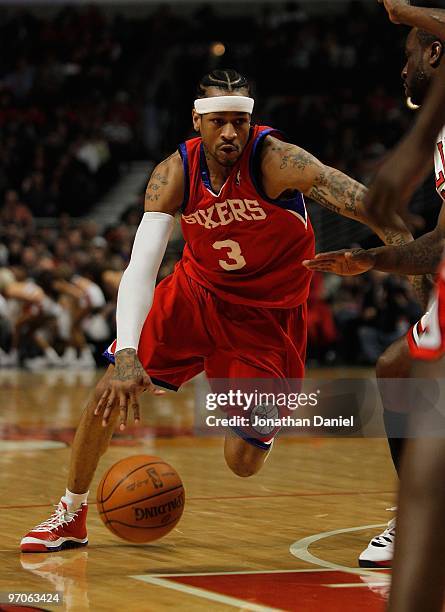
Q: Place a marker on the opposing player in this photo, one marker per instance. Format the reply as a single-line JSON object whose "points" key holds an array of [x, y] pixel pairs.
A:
{"points": [[410, 162], [424, 63], [235, 305]]}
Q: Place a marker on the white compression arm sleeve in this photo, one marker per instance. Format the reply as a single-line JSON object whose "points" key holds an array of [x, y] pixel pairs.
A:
{"points": [[136, 288]]}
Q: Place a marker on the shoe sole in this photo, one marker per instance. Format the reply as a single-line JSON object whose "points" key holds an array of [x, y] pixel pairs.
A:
{"points": [[41, 548], [383, 564]]}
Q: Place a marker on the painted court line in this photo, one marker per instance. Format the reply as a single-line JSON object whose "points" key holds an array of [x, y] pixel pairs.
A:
{"points": [[357, 584], [272, 495], [204, 594], [300, 549], [243, 572]]}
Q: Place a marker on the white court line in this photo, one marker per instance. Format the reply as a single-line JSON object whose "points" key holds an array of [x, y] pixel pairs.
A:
{"points": [[357, 584], [244, 572], [241, 604], [300, 550]]}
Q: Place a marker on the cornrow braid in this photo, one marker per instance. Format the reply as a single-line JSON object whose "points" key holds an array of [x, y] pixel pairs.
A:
{"points": [[229, 80]]}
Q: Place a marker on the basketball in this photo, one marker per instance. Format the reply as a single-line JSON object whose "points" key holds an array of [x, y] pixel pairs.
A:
{"points": [[140, 498]]}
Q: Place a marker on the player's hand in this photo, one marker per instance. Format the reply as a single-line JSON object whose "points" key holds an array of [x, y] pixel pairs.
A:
{"points": [[344, 263], [129, 380], [392, 7]]}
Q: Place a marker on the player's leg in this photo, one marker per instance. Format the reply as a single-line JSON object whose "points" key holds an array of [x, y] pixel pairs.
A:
{"points": [[90, 443], [242, 456], [418, 581], [393, 365], [171, 338], [419, 578], [419, 559], [245, 450], [66, 528], [250, 367]]}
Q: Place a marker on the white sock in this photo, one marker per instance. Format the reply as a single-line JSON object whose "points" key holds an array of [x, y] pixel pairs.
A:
{"points": [[74, 500]]}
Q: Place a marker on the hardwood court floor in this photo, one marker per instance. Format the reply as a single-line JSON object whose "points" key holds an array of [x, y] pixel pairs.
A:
{"points": [[286, 539]]}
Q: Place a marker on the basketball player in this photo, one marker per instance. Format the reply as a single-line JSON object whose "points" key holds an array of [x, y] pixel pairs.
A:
{"points": [[235, 305], [418, 580], [410, 160], [424, 64]]}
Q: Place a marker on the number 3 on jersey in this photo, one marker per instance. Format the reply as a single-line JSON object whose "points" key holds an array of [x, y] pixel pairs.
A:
{"points": [[235, 259]]}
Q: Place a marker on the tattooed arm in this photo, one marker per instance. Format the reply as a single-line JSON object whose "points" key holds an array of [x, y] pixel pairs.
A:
{"points": [[420, 258], [165, 189], [163, 198], [286, 167]]}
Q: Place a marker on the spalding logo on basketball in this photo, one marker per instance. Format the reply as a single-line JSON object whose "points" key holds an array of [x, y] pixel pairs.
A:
{"points": [[140, 498]]}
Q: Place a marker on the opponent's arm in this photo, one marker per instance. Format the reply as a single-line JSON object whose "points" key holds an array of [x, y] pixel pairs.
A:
{"points": [[163, 198], [420, 257], [286, 167], [429, 19]]}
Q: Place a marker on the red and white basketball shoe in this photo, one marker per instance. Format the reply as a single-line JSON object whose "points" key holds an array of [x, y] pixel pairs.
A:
{"points": [[380, 550], [62, 530]]}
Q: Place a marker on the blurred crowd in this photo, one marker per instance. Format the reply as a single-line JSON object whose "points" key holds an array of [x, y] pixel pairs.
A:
{"points": [[86, 90], [354, 319], [58, 289]]}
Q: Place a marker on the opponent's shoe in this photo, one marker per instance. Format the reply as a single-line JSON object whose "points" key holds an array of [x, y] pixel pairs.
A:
{"points": [[62, 530], [380, 550]]}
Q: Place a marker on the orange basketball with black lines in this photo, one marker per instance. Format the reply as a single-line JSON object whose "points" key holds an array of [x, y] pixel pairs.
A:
{"points": [[140, 498]]}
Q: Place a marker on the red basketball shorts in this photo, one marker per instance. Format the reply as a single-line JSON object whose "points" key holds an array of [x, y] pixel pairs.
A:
{"points": [[189, 330], [426, 339]]}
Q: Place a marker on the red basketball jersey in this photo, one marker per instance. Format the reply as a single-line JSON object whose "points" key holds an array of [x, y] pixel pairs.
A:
{"points": [[240, 244]]}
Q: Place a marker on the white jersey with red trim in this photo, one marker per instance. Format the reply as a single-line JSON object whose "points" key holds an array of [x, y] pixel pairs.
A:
{"points": [[439, 163], [426, 339]]}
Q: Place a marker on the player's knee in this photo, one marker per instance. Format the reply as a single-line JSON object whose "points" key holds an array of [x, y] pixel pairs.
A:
{"points": [[243, 458], [242, 467], [394, 362], [383, 366]]}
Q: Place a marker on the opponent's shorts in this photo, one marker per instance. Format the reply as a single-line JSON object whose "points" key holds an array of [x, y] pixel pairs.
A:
{"points": [[426, 339], [189, 330]]}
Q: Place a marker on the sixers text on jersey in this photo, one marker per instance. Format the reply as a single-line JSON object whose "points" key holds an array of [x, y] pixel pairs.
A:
{"points": [[260, 241]]}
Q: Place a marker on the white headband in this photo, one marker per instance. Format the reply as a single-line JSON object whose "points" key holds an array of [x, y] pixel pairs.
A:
{"points": [[222, 104]]}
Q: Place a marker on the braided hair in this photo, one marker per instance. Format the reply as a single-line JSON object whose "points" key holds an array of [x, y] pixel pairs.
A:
{"points": [[229, 80]]}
